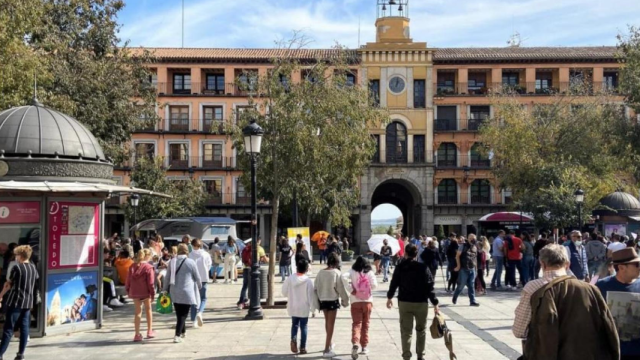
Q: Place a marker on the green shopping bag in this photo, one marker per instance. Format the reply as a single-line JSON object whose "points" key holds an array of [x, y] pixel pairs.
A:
{"points": [[163, 304]]}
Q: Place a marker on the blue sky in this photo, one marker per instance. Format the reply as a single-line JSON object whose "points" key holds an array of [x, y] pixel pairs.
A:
{"points": [[441, 23]]}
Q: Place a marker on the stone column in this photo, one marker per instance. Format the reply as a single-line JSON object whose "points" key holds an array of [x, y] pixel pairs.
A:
{"points": [[427, 215], [365, 228], [463, 81]]}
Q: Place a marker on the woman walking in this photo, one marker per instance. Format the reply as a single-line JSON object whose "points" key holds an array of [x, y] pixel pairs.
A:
{"points": [[302, 253], [183, 283], [330, 290], [483, 258], [230, 258], [528, 261], [141, 288], [363, 282], [431, 257]]}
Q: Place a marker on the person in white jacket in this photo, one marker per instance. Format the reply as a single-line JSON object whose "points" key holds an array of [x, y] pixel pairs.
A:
{"points": [[203, 264], [362, 282], [299, 291]]}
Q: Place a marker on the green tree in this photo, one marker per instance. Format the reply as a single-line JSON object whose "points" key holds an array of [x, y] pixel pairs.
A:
{"points": [[188, 196], [316, 137], [391, 231], [380, 229], [629, 54]]}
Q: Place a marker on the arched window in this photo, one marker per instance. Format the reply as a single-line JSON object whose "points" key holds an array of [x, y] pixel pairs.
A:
{"points": [[477, 158], [396, 143], [480, 192], [448, 192], [447, 155]]}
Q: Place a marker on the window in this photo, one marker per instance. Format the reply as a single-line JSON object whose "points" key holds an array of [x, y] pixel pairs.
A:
{"points": [[510, 78], [419, 96], [308, 76], [213, 187], [478, 114], [446, 83], [446, 119], [506, 196], [544, 82], [351, 79], [179, 156], [242, 196], [212, 155], [153, 79], [215, 84], [396, 143], [182, 83], [145, 150], [241, 109], [448, 192], [418, 149], [212, 118], [179, 118], [477, 159], [447, 155], [610, 80], [285, 82], [374, 91], [477, 83], [480, 192], [248, 80]]}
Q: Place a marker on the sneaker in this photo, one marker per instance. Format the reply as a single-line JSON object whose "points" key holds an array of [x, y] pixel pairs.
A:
{"points": [[19, 357], [476, 304], [303, 351], [328, 354], [195, 325], [199, 320], [294, 347], [106, 308], [177, 339], [184, 335], [137, 338], [364, 351], [115, 303], [454, 300], [151, 334], [354, 352]]}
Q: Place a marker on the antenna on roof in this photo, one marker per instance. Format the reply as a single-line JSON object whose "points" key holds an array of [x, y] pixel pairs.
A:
{"points": [[515, 40]]}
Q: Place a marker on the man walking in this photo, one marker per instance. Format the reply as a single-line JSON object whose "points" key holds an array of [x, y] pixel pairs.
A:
{"points": [[596, 254], [203, 265], [498, 259], [513, 248], [614, 289], [578, 262], [562, 317], [216, 256], [467, 266], [415, 284]]}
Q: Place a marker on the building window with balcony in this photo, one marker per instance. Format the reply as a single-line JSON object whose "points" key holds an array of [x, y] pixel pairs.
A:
{"points": [[418, 149], [145, 150], [240, 109], [242, 196], [419, 95], [448, 192], [215, 83], [477, 83], [446, 83], [179, 156], [477, 115], [544, 82], [446, 118], [212, 155], [447, 155], [248, 79], [477, 157], [480, 192], [610, 81], [396, 143], [178, 118], [182, 83], [374, 91], [213, 188], [212, 119]]}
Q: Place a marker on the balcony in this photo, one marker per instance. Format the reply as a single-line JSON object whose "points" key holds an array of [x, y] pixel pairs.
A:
{"points": [[201, 89], [211, 126], [200, 163], [182, 125], [460, 161], [418, 157], [453, 125], [529, 88]]}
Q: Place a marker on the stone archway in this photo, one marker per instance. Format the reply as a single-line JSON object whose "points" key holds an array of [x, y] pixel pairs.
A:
{"points": [[406, 197]]}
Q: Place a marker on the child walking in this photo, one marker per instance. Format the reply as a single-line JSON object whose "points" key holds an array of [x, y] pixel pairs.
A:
{"points": [[330, 290], [298, 289], [363, 282]]}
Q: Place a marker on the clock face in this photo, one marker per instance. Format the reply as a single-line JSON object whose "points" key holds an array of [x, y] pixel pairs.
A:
{"points": [[396, 84]]}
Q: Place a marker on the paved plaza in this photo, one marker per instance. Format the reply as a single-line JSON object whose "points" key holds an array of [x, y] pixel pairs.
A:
{"points": [[479, 333]]}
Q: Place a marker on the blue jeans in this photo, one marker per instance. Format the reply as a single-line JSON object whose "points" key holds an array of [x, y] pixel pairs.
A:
{"points": [[285, 270], [497, 274], [298, 322], [527, 269], [203, 302], [385, 267], [246, 278], [466, 278], [15, 316], [213, 273], [594, 267], [323, 255]]}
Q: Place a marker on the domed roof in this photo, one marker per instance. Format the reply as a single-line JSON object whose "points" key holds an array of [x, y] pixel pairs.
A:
{"points": [[42, 132], [621, 201]]}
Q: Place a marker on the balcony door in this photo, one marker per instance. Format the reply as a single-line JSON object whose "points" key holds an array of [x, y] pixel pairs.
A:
{"points": [[396, 143], [179, 156], [447, 155], [212, 155]]}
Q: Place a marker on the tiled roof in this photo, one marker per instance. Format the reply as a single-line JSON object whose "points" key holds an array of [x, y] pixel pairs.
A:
{"points": [[525, 53], [239, 54]]}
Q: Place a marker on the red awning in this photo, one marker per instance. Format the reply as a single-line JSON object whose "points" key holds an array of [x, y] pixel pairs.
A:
{"points": [[507, 217]]}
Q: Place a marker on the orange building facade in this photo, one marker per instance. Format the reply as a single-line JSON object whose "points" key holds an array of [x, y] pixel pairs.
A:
{"points": [[427, 164]]}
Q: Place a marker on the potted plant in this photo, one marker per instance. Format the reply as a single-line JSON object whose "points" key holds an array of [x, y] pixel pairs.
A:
{"points": [[347, 255]]}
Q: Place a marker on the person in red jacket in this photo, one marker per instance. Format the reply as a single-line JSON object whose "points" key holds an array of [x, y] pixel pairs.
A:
{"points": [[140, 288]]}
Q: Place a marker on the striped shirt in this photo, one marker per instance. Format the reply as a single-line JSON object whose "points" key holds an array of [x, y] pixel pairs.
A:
{"points": [[23, 280]]}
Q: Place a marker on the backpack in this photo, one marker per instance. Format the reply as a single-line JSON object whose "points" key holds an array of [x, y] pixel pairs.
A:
{"points": [[246, 256], [468, 256], [362, 287]]}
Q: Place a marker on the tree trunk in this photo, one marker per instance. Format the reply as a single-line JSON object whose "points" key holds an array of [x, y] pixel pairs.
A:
{"points": [[272, 249]]}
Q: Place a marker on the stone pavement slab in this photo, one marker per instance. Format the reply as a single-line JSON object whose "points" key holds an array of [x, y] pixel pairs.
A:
{"points": [[479, 333]]}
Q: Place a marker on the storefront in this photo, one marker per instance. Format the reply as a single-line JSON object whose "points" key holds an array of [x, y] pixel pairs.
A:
{"points": [[618, 213], [491, 224]]}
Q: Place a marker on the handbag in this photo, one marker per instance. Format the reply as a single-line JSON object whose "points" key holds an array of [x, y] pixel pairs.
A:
{"points": [[163, 304], [438, 330]]}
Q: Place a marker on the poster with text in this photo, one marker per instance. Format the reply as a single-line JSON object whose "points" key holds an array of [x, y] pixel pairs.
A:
{"points": [[306, 239], [19, 212], [73, 234], [72, 298], [620, 229]]}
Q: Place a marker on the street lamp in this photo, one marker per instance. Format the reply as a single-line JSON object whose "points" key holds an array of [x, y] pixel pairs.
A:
{"points": [[134, 199], [252, 141], [579, 194]]}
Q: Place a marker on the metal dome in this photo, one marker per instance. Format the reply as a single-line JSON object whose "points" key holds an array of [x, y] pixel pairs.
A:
{"points": [[38, 131], [621, 201]]}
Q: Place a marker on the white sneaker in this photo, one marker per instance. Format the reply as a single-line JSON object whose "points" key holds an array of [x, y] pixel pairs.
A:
{"points": [[195, 325], [328, 354], [115, 303], [183, 335], [364, 351], [177, 339], [199, 320], [354, 352], [105, 308]]}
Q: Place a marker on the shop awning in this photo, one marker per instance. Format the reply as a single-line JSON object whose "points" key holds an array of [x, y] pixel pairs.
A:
{"points": [[73, 187], [507, 217], [636, 218]]}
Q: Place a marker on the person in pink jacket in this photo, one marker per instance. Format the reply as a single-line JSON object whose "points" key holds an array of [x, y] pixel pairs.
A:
{"points": [[140, 288]]}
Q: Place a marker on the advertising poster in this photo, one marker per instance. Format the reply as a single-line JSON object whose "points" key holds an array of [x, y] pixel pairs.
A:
{"points": [[19, 212], [625, 308], [72, 298], [620, 229], [73, 235], [306, 239]]}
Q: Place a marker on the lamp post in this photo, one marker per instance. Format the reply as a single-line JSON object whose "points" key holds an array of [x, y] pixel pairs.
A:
{"points": [[134, 199], [252, 141], [579, 194]]}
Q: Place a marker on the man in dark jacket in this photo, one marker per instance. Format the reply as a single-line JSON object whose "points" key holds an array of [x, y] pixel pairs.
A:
{"points": [[415, 282]]}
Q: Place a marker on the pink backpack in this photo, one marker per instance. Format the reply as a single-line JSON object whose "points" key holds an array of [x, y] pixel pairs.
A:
{"points": [[362, 287]]}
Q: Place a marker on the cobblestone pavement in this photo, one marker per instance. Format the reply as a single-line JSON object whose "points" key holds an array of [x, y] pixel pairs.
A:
{"points": [[479, 333]]}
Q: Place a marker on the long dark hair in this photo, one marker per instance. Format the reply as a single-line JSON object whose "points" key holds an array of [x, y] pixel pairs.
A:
{"points": [[333, 261], [299, 248], [361, 265]]}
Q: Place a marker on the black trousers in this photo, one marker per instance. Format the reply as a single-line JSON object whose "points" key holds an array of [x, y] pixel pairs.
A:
{"points": [[182, 311], [453, 280]]}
